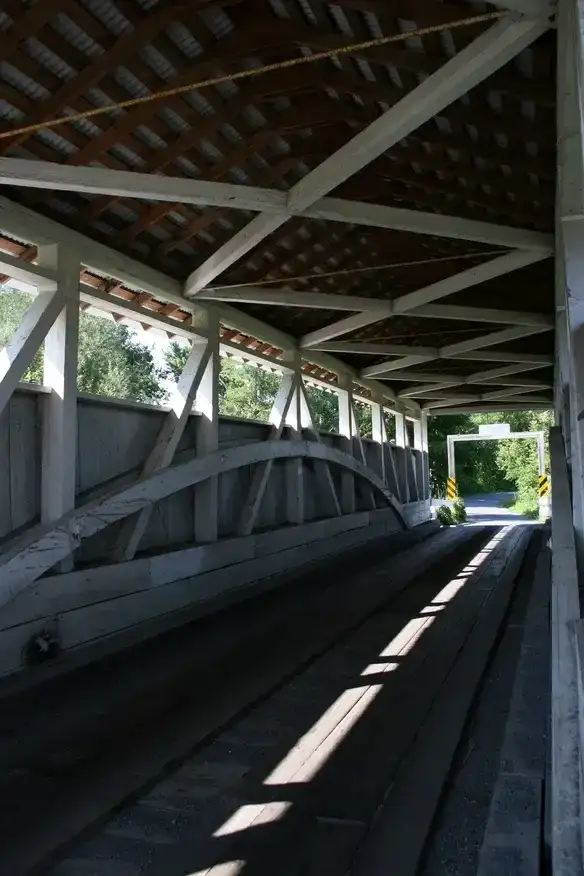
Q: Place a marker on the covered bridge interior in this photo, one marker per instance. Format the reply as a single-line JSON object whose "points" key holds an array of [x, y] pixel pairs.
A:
{"points": [[382, 198]]}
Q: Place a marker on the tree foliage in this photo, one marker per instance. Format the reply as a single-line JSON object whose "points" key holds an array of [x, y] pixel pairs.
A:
{"points": [[110, 362], [489, 466], [249, 392]]}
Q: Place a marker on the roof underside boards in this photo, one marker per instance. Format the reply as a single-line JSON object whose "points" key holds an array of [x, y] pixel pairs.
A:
{"points": [[488, 157]]}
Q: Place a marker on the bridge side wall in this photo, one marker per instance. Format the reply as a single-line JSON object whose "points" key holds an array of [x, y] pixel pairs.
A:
{"points": [[101, 606], [114, 440]]}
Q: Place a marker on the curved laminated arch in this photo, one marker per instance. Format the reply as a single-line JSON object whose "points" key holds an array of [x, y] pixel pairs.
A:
{"points": [[47, 545]]}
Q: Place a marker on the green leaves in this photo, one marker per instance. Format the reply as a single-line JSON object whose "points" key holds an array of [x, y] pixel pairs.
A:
{"points": [[111, 362]]}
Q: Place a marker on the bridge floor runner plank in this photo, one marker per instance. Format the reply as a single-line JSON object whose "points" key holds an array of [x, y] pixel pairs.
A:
{"points": [[293, 787]]}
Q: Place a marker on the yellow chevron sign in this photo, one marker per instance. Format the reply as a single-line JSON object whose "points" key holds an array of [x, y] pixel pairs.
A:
{"points": [[544, 485], [451, 489]]}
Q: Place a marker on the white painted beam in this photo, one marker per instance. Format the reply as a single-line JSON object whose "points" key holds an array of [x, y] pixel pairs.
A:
{"points": [[501, 374], [506, 356], [161, 455], [30, 227], [427, 354], [341, 327], [365, 348], [491, 340], [434, 224], [59, 434], [428, 389], [26, 339], [512, 261], [130, 184], [486, 54], [285, 297], [261, 473], [30, 173], [482, 314], [207, 435], [505, 393], [472, 65], [437, 410], [26, 272], [463, 280], [460, 349]]}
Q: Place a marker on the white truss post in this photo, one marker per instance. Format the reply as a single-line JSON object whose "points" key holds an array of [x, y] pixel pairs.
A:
{"points": [[262, 471], [295, 467], [401, 440], [345, 394], [325, 482], [379, 436], [400, 429], [425, 454], [181, 404], [207, 405], [421, 444], [59, 448]]}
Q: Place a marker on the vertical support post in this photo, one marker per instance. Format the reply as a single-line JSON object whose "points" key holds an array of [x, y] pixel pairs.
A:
{"points": [[59, 447], [207, 404], [401, 438], [401, 441], [261, 475], [345, 393], [451, 461], [425, 454], [378, 435], [295, 467]]}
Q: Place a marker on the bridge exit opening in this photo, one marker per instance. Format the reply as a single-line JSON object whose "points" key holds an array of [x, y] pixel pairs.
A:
{"points": [[498, 432]]}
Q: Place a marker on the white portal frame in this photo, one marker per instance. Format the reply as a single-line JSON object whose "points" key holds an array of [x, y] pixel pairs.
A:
{"points": [[451, 440]]}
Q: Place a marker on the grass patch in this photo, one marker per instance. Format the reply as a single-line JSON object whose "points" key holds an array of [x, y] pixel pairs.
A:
{"points": [[526, 506]]}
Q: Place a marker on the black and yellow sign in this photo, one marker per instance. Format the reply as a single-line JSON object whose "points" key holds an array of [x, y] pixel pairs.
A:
{"points": [[544, 485], [451, 489]]}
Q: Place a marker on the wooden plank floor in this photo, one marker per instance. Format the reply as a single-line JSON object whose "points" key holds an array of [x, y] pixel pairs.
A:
{"points": [[294, 787]]}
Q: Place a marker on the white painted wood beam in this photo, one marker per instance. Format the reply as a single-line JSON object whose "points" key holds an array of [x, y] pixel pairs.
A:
{"points": [[512, 261], [482, 314], [287, 297], [59, 434], [30, 173], [26, 339], [161, 455], [486, 54], [434, 224], [472, 65], [341, 327], [427, 389], [294, 468], [30, 227], [427, 354], [207, 435], [460, 349], [490, 340], [506, 356], [325, 482], [463, 280], [26, 272], [437, 410], [505, 371], [144, 186], [505, 393], [42, 547], [365, 348], [261, 473]]}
